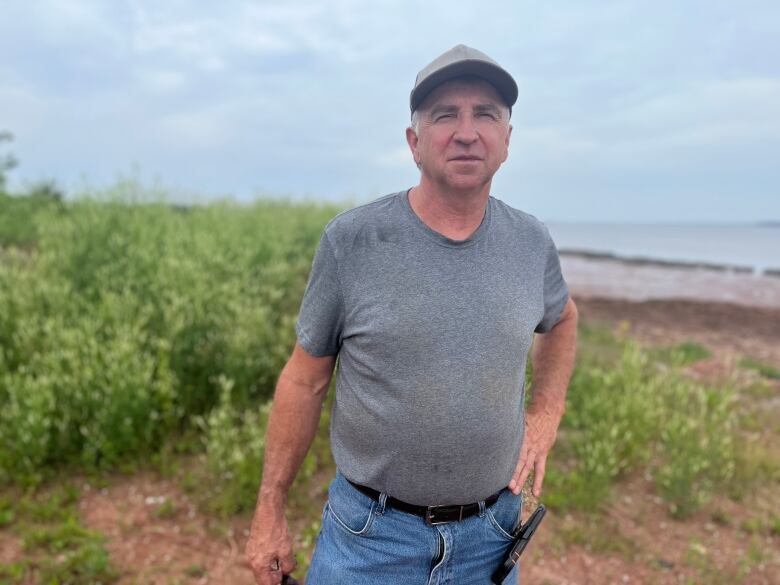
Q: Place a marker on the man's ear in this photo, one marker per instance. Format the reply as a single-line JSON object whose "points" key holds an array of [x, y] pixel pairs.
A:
{"points": [[412, 139], [506, 142]]}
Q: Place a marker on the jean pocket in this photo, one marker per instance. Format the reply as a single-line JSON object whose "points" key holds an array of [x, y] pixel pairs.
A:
{"points": [[350, 508], [504, 515]]}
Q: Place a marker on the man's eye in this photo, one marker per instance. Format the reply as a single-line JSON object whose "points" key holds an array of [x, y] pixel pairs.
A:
{"points": [[443, 117]]}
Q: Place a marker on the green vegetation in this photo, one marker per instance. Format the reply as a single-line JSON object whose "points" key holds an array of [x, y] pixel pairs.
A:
{"points": [[133, 331], [234, 441], [766, 370], [126, 319], [599, 536], [7, 161], [19, 215], [195, 571], [681, 354], [626, 412], [58, 548], [167, 509]]}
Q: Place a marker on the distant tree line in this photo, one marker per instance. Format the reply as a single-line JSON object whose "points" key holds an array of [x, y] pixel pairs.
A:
{"points": [[19, 212], [7, 161]]}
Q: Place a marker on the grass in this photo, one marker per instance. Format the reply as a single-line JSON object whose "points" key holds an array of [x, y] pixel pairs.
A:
{"points": [[631, 409], [774, 526], [766, 370], [58, 548], [681, 354], [195, 571], [600, 536], [702, 560], [168, 509]]}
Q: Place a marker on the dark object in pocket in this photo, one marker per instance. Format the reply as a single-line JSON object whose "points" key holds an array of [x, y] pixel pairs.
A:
{"points": [[522, 537]]}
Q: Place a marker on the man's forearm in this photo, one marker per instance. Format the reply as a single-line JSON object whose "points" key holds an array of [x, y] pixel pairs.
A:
{"points": [[292, 424], [553, 361]]}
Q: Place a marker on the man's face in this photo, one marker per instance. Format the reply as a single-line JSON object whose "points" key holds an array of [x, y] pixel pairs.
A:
{"points": [[463, 134]]}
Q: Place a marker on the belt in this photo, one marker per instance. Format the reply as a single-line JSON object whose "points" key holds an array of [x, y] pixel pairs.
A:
{"points": [[433, 514]]}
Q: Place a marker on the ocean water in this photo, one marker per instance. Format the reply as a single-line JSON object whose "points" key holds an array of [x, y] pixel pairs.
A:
{"points": [[753, 247]]}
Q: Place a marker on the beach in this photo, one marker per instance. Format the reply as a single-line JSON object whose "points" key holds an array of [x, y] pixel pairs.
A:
{"points": [[734, 314], [610, 278]]}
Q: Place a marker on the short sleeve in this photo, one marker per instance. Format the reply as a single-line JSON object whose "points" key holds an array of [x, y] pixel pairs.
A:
{"points": [[321, 317], [556, 292]]}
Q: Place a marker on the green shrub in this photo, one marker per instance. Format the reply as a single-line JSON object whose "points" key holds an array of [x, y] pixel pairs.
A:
{"points": [[636, 413], [20, 215], [697, 442], [117, 325], [234, 439], [681, 354], [235, 443], [766, 370]]}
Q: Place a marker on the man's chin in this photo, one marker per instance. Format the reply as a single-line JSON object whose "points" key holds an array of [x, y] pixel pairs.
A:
{"points": [[466, 182]]}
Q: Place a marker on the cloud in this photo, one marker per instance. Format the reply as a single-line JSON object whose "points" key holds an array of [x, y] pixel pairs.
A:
{"points": [[662, 132], [397, 157], [311, 96]]}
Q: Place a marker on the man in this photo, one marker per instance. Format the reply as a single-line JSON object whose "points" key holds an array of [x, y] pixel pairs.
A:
{"points": [[430, 297]]}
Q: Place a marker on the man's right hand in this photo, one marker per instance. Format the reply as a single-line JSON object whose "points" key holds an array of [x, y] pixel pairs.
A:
{"points": [[269, 548]]}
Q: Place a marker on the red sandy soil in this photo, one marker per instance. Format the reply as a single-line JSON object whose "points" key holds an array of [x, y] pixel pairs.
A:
{"points": [[187, 546], [729, 330]]}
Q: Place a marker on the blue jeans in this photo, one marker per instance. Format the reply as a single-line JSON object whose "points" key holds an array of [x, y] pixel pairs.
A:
{"points": [[365, 542]]}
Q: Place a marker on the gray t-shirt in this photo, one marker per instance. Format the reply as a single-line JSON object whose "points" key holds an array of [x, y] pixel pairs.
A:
{"points": [[432, 336]]}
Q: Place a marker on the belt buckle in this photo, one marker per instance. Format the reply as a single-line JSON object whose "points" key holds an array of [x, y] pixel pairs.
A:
{"points": [[432, 522], [429, 520]]}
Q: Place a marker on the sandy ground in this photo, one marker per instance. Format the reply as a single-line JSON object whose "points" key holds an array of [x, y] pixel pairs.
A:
{"points": [[729, 330], [613, 279]]}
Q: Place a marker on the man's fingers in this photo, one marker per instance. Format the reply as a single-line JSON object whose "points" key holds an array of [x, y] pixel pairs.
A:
{"points": [[265, 577], [525, 472], [289, 564], [269, 572], [541, 462], [519, 467], [516, 473], [516, 485]]}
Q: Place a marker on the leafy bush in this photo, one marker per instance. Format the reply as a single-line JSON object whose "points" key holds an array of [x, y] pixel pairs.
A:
{"points": [[118, 323], [235, 443], [635, 413], [19, 215], [697, 445]]}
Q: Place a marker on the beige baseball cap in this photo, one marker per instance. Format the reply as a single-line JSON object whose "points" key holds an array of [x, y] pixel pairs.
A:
{"points": [[461, 60]]}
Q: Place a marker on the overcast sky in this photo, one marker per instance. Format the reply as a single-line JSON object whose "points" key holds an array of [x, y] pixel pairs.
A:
{"points": [[659, 110]]}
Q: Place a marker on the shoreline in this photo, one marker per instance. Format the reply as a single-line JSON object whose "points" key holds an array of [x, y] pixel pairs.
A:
{"points": [[667, 263], [607, 277]]}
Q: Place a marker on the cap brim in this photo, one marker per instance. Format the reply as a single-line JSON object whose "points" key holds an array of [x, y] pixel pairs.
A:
{"points": [[493, 74]]}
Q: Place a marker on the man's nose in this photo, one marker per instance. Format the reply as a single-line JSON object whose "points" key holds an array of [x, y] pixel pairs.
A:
{"points": [[466, 130]]}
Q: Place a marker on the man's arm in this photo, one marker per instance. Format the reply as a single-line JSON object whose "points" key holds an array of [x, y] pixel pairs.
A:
{"points": [[553, 361], [292, 424]]}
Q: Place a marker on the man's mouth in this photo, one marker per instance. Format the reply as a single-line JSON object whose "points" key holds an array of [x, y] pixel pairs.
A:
{"points": [[466, 158]]}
